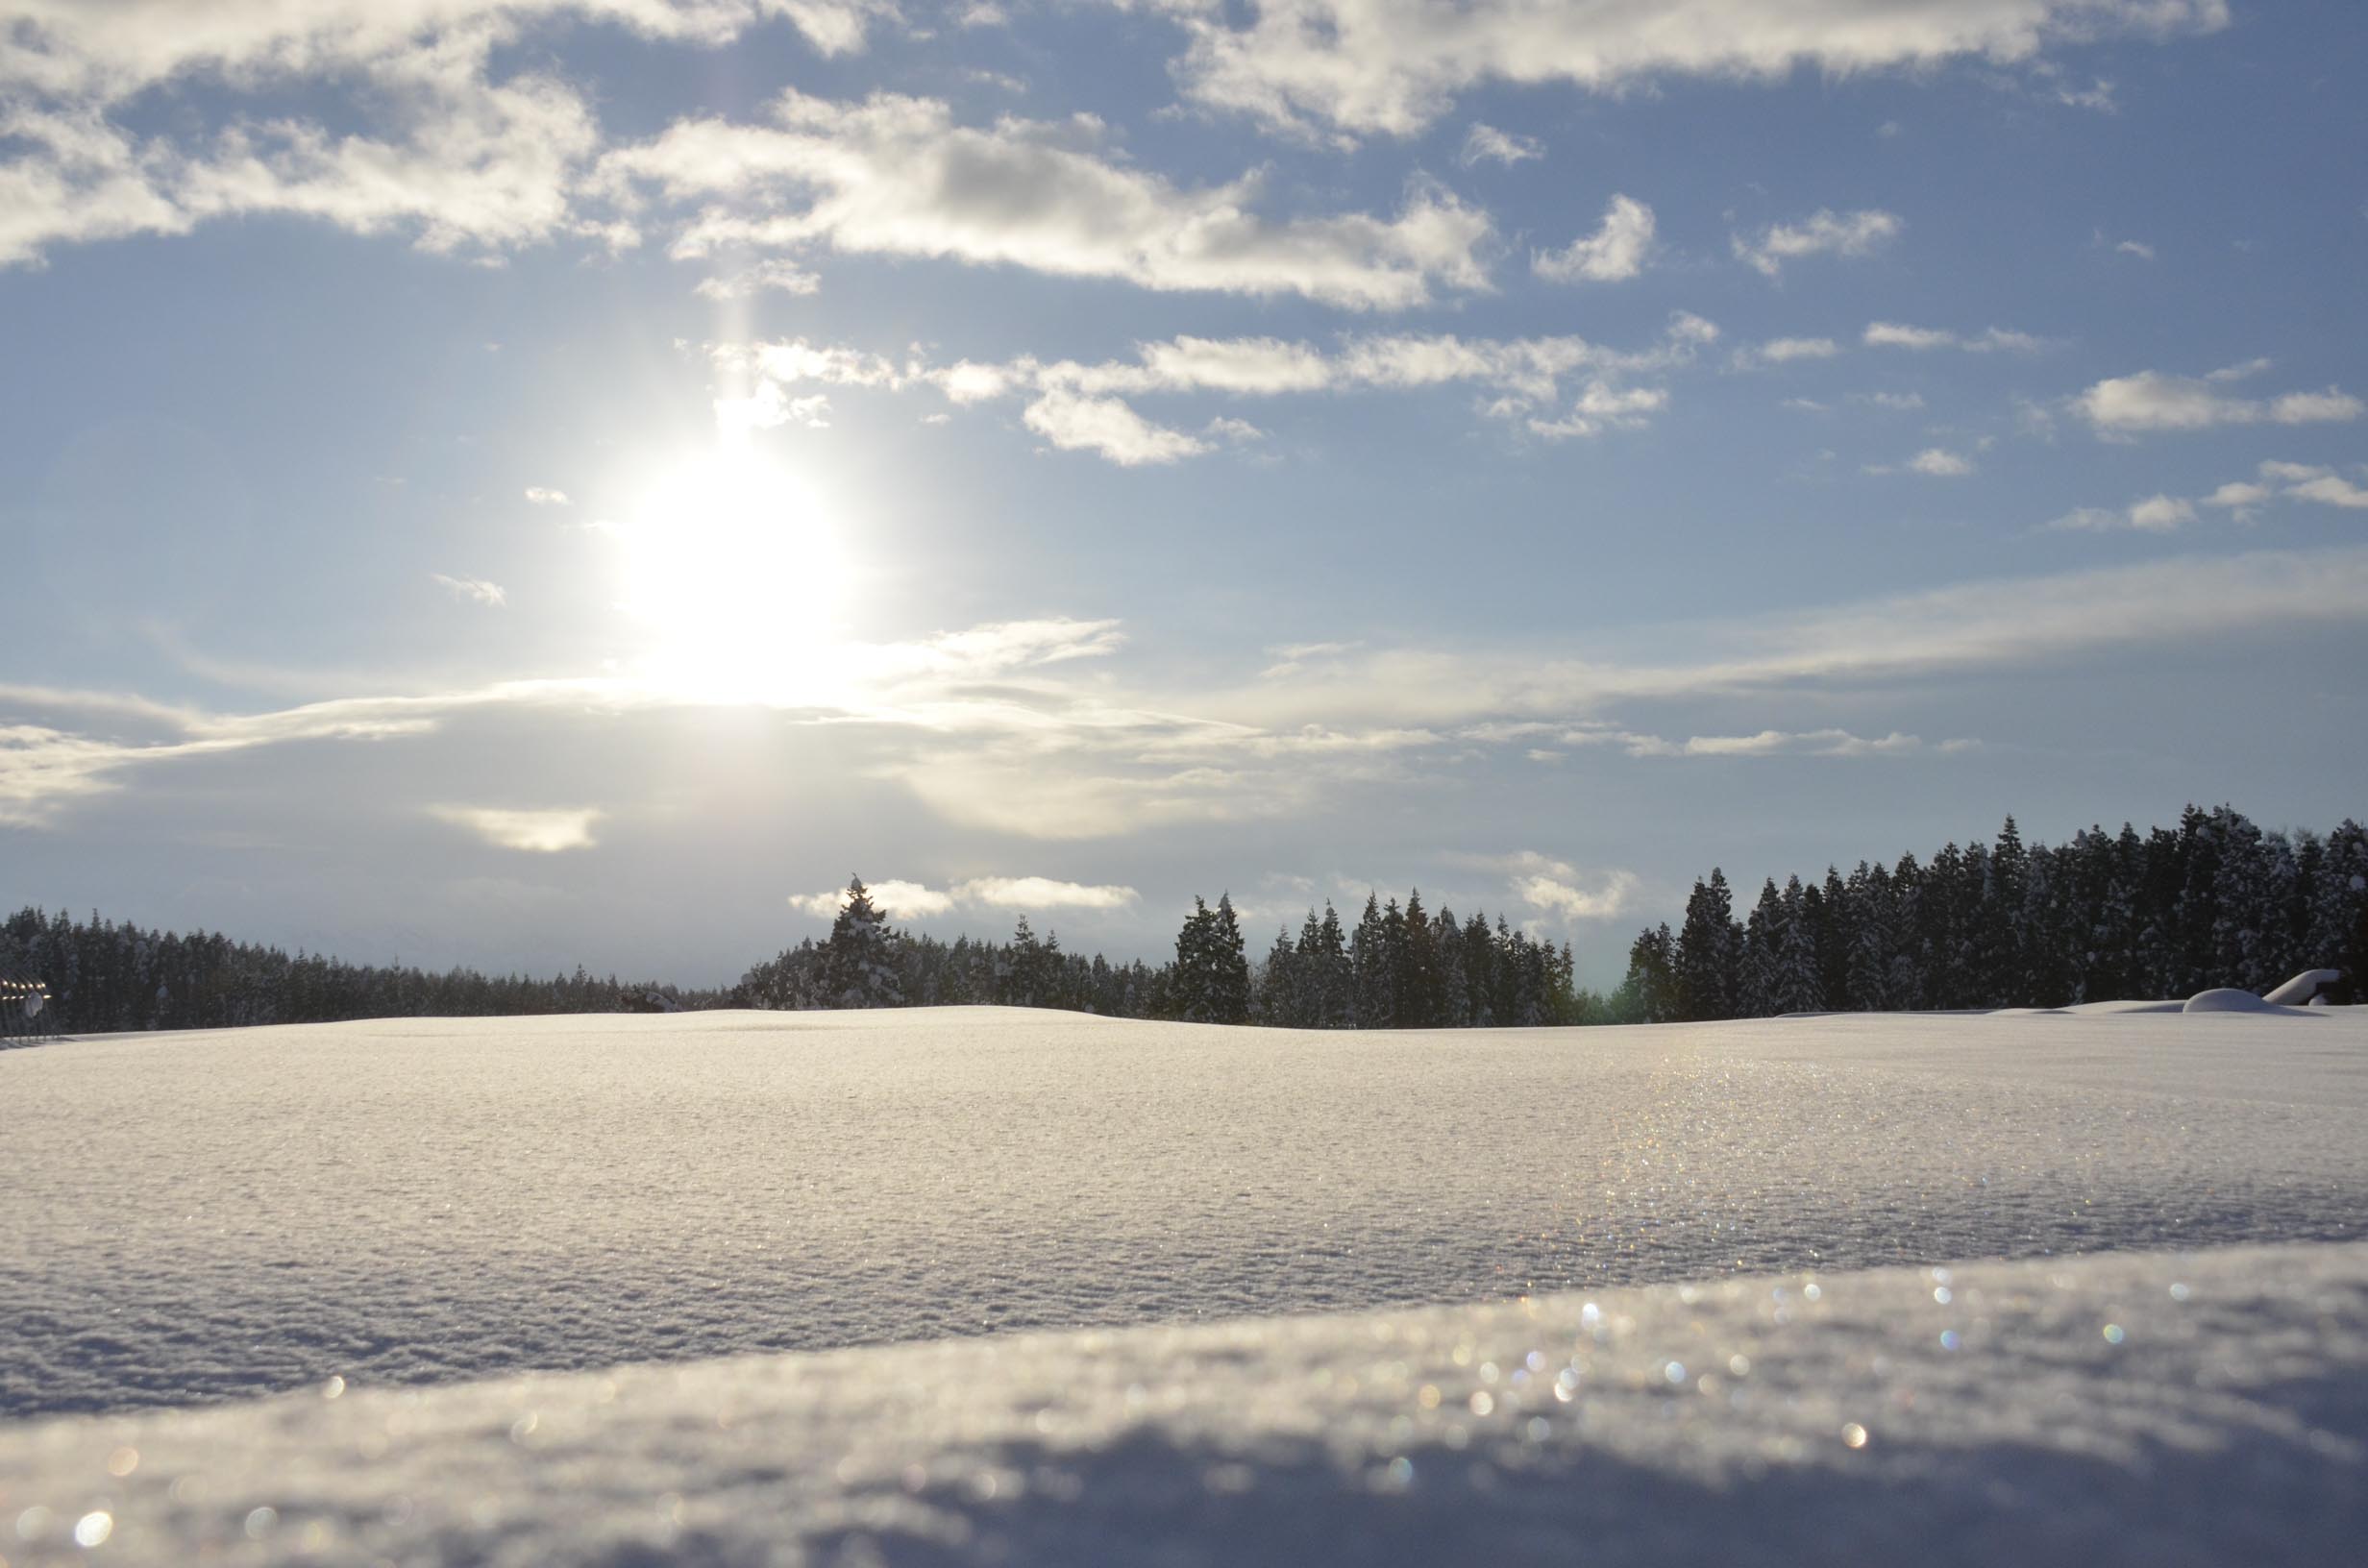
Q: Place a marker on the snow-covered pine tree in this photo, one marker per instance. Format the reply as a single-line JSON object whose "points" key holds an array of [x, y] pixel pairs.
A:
{"points": [[1706, 951], [1416, 979], [1228, 968], [1797, 990], [1454, 990], [1275, 990], [1333, 976], [1759, 995], [1368, 952], [1649, 992], [859, 961], [1867, 896], [1480, 971], [1189, 991]]}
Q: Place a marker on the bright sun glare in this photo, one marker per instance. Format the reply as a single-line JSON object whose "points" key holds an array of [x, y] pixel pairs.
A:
{"points": [[733, 566]]}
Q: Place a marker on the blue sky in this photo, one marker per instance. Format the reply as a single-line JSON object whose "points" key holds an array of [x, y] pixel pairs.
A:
{"points": [[543, 482]]}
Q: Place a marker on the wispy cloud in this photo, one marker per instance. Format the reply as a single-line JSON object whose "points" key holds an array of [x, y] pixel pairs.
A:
{"points": [[1824, 232], [2151, 402], [475, 590], [1783, 351], [1933, 462], [1892, 334], [1334, 63], [544, 832], [1555, 387], [902, 176], [1485, 144], [2156, 514], [1616, 250]]}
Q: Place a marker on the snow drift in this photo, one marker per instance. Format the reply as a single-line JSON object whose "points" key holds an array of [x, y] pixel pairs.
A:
{"points": [[515, 1248], [2142, 1409]]}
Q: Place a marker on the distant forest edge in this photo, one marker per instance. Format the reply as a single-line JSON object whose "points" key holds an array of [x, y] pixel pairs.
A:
{"points": [[2213, 901]]}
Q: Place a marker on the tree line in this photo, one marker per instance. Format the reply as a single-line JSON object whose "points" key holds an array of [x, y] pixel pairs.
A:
{"points": [[1399, 967], [2214, 901], [104, 977]]}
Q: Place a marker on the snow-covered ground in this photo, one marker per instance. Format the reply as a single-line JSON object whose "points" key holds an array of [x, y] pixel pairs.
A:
{"points": [[211, 1217], [2147, 1409]]}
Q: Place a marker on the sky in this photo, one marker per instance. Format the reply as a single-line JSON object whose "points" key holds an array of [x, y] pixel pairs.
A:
{"points": [[536, 483]]}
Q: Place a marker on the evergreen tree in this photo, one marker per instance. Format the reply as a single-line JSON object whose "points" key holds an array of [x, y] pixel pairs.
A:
{"points": [[1190, 992], [1280, 995], [1708, 945], [859, 961], [1479, 972], [1454, 990], [1416, 973], [1369, 950], [1332, 976], [1228, 969], [1649, 992]]}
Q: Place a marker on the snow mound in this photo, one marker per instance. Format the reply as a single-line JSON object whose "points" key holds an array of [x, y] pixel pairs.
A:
{"points": [[2230, 999], [2129, 1409], [2299, 990], [223, 1215]]}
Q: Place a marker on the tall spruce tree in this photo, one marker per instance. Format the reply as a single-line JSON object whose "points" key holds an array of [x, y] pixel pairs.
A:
{"points": [[1707, 949], [1228, 968], [860, 960]]}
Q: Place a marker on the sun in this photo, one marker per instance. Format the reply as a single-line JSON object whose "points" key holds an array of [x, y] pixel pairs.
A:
{"points": [[735, 569]]}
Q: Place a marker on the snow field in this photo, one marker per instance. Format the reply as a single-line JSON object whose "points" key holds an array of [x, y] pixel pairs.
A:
{"points": [[216, 1217], [2157, 1410]]}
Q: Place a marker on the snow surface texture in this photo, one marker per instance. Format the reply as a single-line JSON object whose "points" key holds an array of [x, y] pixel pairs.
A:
{"points": [[2141, 1409], [214, 1217]]}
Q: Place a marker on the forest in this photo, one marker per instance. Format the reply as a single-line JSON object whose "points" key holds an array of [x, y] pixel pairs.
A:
{"points": [[2212, 902]]}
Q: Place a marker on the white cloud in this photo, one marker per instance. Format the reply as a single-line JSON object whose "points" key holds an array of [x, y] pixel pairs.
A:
{"points": [[541, 496], [1556, 888], [474, 589], [2156, 514], [1080, 406], [780, 277], [1783, 351], [1485, 143], [1766, 743], [437, 148], [2159, 514], [534, 832], [1044, 892], [2298, 481], [1290, 658], [1892, 334], [1934, 462], [1824, 233], [909, 900], [1894, 402], [2330, 490], [1394, 65], [2098, 95], [2137, 248], [1616, 251], [2152, 400], [897, 176], [1602, 408], [915, 900], [1107, 427]]}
